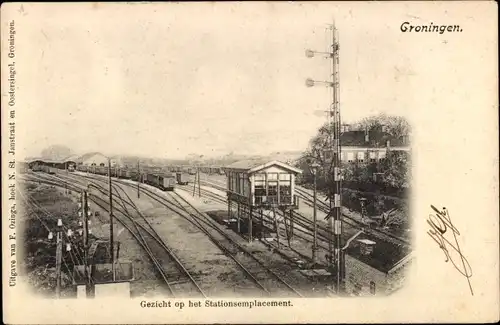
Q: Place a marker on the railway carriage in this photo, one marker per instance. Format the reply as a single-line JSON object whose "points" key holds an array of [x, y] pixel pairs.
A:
{"points": [[182, 179], [82, 168], [165, 182]]}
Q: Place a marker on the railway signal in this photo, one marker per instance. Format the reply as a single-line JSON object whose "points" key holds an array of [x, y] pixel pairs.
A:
{"points": [[59, 253], [334, 122]]}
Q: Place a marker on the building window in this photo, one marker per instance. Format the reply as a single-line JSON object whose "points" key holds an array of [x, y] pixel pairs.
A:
{"points": [[92, 164], [285, 192], [260, 191], [350, 156], [372, 160], [272, 176], [372, 287], [285, 177], [101, 164], [259, 177], [272, 191]]}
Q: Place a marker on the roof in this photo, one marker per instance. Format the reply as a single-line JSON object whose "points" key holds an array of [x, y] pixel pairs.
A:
{"points": [[254, 165], [385, 255], [89, 155], [376, 139], [50, 161], [367, 241]]}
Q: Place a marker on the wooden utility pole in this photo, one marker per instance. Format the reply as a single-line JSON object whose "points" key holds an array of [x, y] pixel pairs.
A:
{"points": [[58, 263], [85, 213], [138, 180], [315, 226], [194, 183], [111, 246], [199, 187]]}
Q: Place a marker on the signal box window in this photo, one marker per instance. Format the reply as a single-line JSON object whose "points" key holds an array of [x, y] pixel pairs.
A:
{"points": [[260, 191], [272, 191]]}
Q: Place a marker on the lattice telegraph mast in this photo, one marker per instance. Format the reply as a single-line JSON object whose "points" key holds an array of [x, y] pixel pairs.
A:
{"points": [[336, 261]]}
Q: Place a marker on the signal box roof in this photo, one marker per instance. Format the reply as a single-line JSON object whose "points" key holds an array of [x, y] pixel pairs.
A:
{"points": [[254, 165]]}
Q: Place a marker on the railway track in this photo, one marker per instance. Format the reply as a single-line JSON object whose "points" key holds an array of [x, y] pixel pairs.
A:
{"points": [[379, 233], [181, 280], [176, 277], [255, 269], [348, 220]]}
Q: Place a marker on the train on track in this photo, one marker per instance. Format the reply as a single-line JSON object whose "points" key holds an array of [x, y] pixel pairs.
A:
{"points": [[181, 179], [165, 182], [156, 177], [44, 169]]}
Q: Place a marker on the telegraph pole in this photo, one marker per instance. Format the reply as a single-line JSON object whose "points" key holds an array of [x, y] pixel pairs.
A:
{"points": [[85, 213], [138, 179], [199, 187], [194, 183], [111, 246], [58, 258], [315, 239]]}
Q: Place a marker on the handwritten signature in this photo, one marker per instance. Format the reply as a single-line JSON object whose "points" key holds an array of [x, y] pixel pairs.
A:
{"points": [[440, 222]]}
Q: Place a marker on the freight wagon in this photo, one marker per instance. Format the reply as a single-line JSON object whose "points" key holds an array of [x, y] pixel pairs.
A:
{"points": [[165, 182], [191, 171], [123, 173], [82, 168], [182, 179], [48, 170]]}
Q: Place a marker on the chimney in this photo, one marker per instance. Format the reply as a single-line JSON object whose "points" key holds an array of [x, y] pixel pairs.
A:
{"points": [[388, 143], [366, 246], [367, 135]]}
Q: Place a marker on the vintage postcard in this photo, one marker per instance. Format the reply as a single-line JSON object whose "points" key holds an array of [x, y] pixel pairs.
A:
{"points": [[250, 162]]}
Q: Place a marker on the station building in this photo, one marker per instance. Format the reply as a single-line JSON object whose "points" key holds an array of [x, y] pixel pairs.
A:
{"points": [[60, 164]]}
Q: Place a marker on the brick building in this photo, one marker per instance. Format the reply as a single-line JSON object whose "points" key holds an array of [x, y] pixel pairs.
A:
{"points": [[375, 267]]}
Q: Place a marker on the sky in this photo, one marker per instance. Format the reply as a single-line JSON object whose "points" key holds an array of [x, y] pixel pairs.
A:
{"points": [[174, 79]]}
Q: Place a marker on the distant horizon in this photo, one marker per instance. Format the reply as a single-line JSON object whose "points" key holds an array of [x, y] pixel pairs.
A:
{"points": [[205, 157]]}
